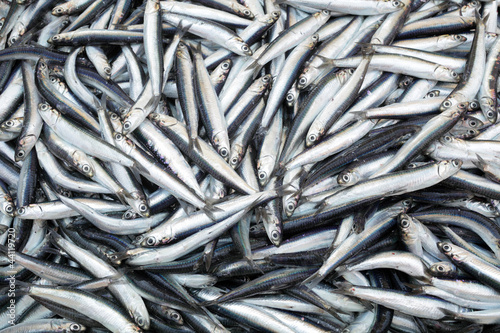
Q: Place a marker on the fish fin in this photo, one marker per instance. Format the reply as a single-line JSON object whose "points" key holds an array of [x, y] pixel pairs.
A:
{"points": [[449, 315], [140, 168], [260, 134], [4, 249], [22, 287], [359, 114], [480, 163], [198, 47], [209, 210], [121, 27], [280, 171], [191, 143], [123, 195], [367, 49], [320, 206], [283, 190], [182, 29], [313, 280], [412, 285], [254, 66], [198, 144], [185, 207], [208, 303], [325, 61], [119, 256]]}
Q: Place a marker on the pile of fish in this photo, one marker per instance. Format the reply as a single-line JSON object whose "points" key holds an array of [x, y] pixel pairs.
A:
{"points": [[251, 166]]}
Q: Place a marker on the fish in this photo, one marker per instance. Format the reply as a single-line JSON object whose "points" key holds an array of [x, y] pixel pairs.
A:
{"points": [[226, 166]]}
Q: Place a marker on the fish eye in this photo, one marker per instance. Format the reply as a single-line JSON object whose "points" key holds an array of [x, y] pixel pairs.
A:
{"points": [[223, 152], [262, 175], [265, 78], [247, 12], [313, 137], [289, 97], [9, 209], [462, 105], [456, 163], [440, 268], [175, 316], [346, 178], [86, 168], [140, 321], [490, 114], [473, 105], [56, 37], [150, 241], [234, 161], [276, 14], [453, 74], [143, 207], [128, 215], [472, 123], [447, 138], [245, 48], [407, 202], [118, 136], [396, 3], [302, 80], [290, 206], [275, 235], [405, 223], [446, 248], [315, 37], [75, 327], [225, 65], [20, 153], [325, 12], [127, 125], [9, 123]]}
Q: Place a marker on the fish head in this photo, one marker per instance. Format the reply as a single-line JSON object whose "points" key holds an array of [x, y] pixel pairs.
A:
{"points": [[443, 73], [448, 168], [115, 122], [220, 141], [12, 125], [236, 155], [488, 106], [141, 319], [141, 206], [72, 327], [243, 12], [443, 269], [407, 227], [265, 166], [82, 162], [60, 10], [49, 115], [24, 145], [8, 206], [163, 120], [432, 94], [348, 178], [61, 38], [455, 253], [124, 143]]}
